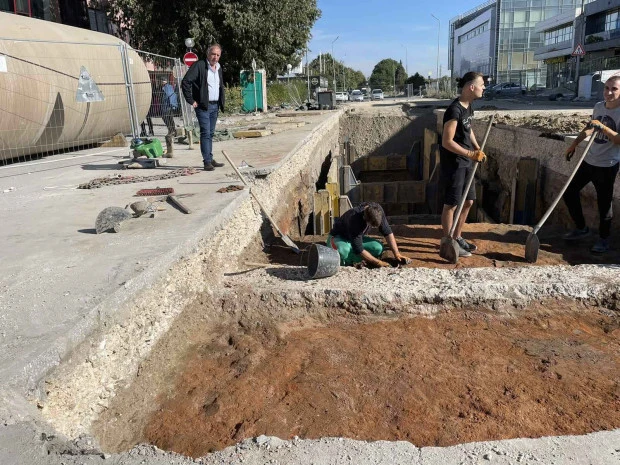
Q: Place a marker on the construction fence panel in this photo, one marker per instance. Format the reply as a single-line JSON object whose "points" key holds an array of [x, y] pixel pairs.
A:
{"points": [[58, 95], [168, 112]]}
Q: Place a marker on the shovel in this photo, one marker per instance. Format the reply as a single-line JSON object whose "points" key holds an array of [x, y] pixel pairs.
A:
{"points": [[449, 248], [287, 240], [532, 244]]}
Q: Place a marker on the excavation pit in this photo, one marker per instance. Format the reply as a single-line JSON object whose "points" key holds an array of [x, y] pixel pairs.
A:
{"points": [[294, 369]]}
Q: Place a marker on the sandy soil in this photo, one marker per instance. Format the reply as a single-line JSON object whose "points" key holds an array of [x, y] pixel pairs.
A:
{"points": [[549, 124], [462, 376]]}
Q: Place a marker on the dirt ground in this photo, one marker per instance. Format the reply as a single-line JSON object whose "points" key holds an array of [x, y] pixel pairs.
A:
{"points": [[462, 376], [499, 245]]}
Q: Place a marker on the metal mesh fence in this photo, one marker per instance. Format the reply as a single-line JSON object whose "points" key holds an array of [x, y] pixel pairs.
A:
{"points": [[64, 95], [168, 111]]}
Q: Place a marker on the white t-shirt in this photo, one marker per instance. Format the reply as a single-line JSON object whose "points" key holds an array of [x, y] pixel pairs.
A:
{"points": [[603, 152], [213, 81]]}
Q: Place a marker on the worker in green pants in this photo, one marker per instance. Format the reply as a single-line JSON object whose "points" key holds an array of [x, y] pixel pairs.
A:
{"points": [[349, 239]]}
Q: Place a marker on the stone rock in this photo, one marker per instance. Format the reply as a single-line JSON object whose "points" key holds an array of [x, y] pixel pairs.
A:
{"points": [[118, 140], [140, 207], [110, 219]]}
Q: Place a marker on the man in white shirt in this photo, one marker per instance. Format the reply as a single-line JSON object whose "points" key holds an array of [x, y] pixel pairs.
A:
{"points": [[203, 89]]}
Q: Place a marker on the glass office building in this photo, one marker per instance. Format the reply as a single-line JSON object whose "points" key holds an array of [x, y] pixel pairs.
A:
{"points": [[510, 42]]}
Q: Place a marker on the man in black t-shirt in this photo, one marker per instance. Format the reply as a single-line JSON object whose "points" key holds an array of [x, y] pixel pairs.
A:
{"points": [[459, 149], [349, 239]]}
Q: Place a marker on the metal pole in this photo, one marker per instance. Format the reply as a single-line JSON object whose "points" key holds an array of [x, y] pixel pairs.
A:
{"points": [[130, 90], [334, 61], [438, 41], [308, 74]]}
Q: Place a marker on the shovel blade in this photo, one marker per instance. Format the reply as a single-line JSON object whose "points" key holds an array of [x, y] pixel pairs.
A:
{"points": [[448, 250], [532, 245]]}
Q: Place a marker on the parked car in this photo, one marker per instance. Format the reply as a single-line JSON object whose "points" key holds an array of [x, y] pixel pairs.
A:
{"points": [[342, 96], [506, 88], [376, 94], [356, 96]]}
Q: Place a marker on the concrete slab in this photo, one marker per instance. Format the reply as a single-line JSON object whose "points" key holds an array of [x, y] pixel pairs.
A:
{"points": [[59, 279]]}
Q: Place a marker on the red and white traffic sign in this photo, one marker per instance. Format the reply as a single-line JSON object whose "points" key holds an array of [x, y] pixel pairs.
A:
{"points": [[579, 51], [190, 58]]}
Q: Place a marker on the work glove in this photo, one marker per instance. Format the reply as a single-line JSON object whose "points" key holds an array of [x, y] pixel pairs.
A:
{"points": [[569, 153], [596, 124], [382, 264], [477, 155], [402, 259]]}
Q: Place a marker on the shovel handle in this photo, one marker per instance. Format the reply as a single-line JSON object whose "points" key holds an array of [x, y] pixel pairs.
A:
{"points": [[253, 196], [570, 178], [470, 179]]}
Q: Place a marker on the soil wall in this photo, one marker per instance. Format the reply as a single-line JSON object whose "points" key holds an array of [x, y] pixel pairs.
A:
{"points": [[375, 133]]}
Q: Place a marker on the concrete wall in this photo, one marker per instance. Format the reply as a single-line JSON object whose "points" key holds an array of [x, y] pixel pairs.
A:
{"points": [[376, 134]]}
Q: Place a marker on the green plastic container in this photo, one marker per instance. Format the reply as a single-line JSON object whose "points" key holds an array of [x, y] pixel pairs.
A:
{"points": [[151, 149]]}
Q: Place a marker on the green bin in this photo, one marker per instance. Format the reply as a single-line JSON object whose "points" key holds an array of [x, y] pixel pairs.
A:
{"points": [[152, 149]]}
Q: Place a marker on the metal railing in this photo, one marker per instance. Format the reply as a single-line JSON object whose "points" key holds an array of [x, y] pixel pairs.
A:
{"points": [[56, 96]]}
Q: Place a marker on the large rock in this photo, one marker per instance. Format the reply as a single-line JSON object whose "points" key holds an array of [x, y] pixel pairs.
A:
{"points": [[110, 219]]}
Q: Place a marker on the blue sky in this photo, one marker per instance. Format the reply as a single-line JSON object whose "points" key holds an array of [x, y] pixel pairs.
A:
{"points": [[372, 30]]}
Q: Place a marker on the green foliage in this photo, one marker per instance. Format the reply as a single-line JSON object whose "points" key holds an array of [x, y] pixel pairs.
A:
{"points": [[417, 80], [234, 101], [273, 32], [293, 93], [353, 79], [383, 74]]}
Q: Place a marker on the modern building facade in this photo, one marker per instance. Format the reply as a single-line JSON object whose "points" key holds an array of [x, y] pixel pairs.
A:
{"points": [[79, 13], [508, 37]]}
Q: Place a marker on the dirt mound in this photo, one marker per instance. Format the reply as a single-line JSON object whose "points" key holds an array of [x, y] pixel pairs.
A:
{"points": [[548, 124]]}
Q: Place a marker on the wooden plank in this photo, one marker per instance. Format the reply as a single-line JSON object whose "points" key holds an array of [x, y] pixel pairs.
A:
{"points": [[177, 203], [376, 163], [430, 138], [412, 192], [396, 162], [248, 134], [527, 182], [334, 195]]}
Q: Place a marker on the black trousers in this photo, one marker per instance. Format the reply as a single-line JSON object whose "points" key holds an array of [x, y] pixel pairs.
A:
{"points": [[603, 180]]}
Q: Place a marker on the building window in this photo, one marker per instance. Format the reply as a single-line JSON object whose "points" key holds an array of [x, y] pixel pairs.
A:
{"points": [[556, 36], [611, 20], [474, 32], [98, 20]]}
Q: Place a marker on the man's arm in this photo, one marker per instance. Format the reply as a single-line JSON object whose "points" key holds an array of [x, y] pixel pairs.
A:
{"points": [[186, 84], [391, 240]]}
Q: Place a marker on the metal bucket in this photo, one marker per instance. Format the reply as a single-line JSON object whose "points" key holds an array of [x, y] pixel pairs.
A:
{"points": [[322, 261]]}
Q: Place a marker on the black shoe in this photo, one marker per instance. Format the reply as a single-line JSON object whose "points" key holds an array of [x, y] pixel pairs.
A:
{"points": [[217, 164], [209, 167]]}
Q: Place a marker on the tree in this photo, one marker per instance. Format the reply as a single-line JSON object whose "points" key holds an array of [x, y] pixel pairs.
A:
{"points": [[384, 72], [273, 32], [417, 80], [352, 78]]}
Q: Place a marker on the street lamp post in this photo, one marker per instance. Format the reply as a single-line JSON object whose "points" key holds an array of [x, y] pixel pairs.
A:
{"points": [[438, 40], [334, 63], [406, 60]]}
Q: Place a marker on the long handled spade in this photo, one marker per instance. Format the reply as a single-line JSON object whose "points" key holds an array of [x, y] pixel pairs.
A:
{"points": [[449, 248], [532, 244], [287, 240]]}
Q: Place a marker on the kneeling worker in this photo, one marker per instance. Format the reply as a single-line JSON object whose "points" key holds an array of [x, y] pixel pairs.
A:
{"points": [[348, 236]]}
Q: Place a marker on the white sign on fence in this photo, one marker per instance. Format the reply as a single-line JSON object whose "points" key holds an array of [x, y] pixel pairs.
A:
{"points": [[3, 68]]}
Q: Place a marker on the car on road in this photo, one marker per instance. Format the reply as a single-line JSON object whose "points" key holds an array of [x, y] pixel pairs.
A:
{"points": [[376, 94], [506, 88], [356, 96], [342, 96]]}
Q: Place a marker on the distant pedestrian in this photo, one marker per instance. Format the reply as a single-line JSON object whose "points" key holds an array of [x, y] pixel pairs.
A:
{"points": [[170, 105], [459, 148], [600, 167], [203, 88]]}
